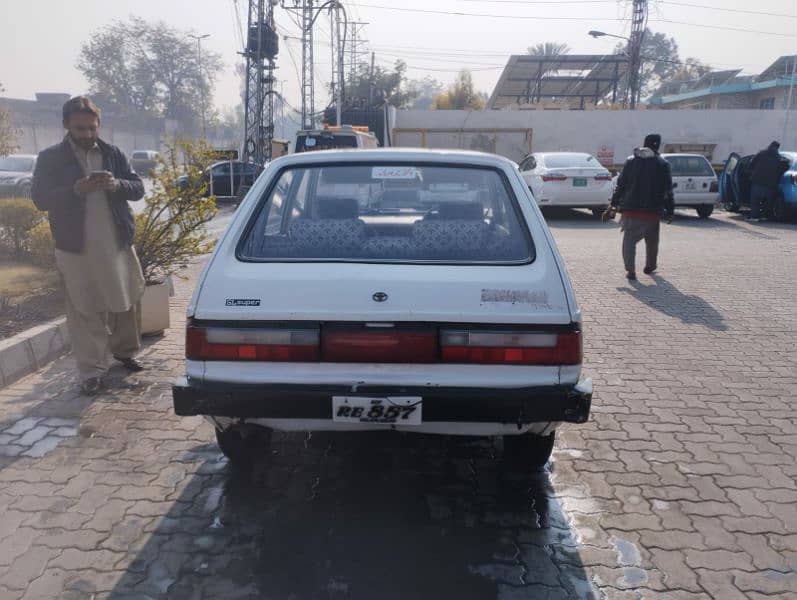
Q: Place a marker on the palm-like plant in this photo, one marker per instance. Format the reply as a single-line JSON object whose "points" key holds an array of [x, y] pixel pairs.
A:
{"points": [[549, 49]]}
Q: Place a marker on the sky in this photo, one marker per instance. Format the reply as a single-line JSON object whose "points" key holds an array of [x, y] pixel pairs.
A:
{"points": [[41, 39]]}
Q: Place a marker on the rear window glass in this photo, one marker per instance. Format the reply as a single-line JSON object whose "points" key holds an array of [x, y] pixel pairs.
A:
{"points": [[566, 161], [140, 155], [325, 141], [694, 166], [390, 213]]}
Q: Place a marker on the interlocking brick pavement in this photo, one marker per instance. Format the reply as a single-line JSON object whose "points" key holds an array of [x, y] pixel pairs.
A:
{"points": [[680, 486]]}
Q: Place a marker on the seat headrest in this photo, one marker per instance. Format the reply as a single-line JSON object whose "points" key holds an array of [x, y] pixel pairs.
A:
{"points": [[338, 208], [465, 211]]}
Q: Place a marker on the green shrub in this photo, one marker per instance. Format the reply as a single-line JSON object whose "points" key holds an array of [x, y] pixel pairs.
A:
{"points": [[41, 247], [18, 216], [171, 228]]}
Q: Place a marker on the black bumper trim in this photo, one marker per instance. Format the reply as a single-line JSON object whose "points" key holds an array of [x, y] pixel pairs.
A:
{"points": [[474, 405]]}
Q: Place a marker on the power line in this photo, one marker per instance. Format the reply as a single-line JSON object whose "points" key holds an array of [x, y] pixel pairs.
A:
{"points": [[483, 15], [731, 10], [723, 28]]}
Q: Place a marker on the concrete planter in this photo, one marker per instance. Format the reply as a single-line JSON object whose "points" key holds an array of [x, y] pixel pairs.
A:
{"points": [[155, 308]]}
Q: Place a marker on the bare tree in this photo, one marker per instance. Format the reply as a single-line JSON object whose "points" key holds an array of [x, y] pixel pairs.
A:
{"points": [[8, 134]]}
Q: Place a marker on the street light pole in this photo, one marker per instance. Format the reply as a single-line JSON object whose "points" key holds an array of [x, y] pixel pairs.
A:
{"points": [[633, 90], [202, 90]]}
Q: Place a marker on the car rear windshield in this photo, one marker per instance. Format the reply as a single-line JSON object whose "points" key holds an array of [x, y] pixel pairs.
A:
{"points": [[690, 166], [325, 141], [388, 213], [570, 161]]}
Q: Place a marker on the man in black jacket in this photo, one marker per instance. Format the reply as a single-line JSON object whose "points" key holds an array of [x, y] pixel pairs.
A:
{"points": [[767, 167], [644, 195], [85, 185]]}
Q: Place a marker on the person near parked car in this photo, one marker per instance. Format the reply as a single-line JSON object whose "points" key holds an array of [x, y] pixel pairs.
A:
{"points": [[766, 168], [85, 184], [643, 195]]}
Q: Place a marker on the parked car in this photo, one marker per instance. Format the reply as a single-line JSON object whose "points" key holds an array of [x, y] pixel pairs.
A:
{"points": [[572, 179], [694, 182], [16, 175], [221, 183], [144, 161], [734, 186], [415, 291]]}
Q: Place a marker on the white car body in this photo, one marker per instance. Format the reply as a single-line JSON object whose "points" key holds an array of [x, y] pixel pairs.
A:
{"points": [[537, 294], [571, 179], [694, 181]]}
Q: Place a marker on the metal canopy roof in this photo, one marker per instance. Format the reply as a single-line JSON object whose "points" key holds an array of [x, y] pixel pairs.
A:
{"points": [[783, 67], [528, 79]]}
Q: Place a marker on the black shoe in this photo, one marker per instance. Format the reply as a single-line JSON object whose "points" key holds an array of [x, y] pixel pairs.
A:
{"points": [[630, 276], [91, 386], [649, 270], [130, 363]]}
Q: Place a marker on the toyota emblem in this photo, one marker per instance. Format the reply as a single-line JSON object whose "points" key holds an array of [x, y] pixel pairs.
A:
{"points": [[379, 297]]}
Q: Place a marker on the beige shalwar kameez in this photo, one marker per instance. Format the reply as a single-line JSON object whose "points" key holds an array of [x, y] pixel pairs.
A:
{"points": [[104, 285]]}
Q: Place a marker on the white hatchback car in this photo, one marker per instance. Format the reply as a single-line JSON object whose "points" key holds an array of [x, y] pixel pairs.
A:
{"points": [[694, 182], [415, 291], [572, 179]]}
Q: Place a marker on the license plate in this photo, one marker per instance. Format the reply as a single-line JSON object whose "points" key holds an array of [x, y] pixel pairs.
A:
{"points": [[391, 410], [579, 182], [690, 187]]}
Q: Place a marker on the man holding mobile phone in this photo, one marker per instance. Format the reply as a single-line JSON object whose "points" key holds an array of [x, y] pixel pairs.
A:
{"points": [[85, 184]]}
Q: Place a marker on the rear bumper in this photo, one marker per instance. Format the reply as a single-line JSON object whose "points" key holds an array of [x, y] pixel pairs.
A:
{"points": [[565, 403]]}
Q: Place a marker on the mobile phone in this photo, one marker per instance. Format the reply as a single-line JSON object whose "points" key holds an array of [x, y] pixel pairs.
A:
{"points": [[99, 174]]}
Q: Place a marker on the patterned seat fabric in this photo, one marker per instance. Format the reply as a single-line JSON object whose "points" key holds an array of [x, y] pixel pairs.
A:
{"points": [[328, 238], [454, 239], [389, 247]]}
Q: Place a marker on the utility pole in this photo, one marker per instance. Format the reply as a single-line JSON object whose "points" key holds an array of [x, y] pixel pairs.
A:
{"points": [[262, 47], [789, 99], [309, 14], [639, 21], [371, 82], [355, 41], [339, 66], [202, 88]]}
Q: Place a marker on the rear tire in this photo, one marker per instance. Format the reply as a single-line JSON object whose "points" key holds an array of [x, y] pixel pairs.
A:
{"points": [[243, 445], [704, 211], [528, 450]]}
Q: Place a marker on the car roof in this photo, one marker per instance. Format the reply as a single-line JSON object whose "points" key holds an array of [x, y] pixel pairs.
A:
{"points": [[684, 154], [562, 154], [408, 155]]}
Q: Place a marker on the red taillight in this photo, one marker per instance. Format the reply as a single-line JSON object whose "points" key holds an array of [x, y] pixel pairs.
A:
{"points": [[278, 345], [554, 177], [511, 348], [606, 177], [380, 346], [714, 187]]}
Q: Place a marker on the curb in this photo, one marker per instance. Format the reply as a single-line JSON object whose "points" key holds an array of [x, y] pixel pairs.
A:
{"points": [[29, 351]]}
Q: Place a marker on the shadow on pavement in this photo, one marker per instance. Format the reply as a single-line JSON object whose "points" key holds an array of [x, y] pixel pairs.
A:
{"points": [[366, 516], [669, 300], [572, 218]]}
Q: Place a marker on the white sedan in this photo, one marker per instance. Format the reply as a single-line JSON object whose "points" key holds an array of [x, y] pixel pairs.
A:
{"points": [[571, 179], [694, 182], [414, 291]]}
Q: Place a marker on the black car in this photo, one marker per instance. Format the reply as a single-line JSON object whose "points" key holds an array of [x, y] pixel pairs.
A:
{"points": [[16, 175], [224, 182]]}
